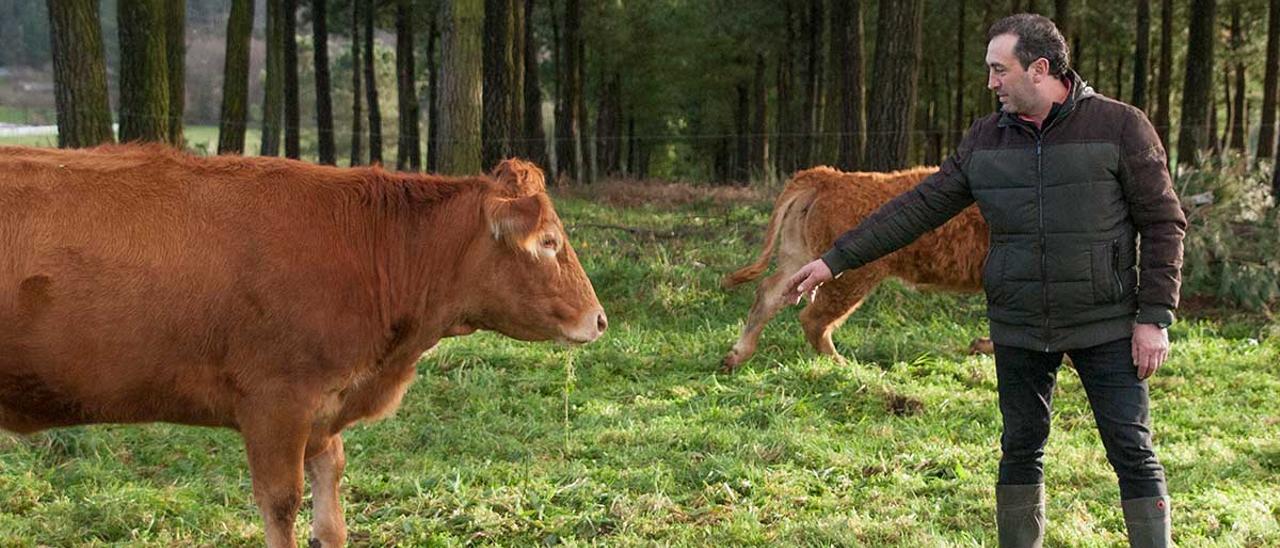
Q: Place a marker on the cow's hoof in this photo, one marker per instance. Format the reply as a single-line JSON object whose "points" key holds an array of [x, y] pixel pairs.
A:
{"points": [[730, 362], [982, 345]]}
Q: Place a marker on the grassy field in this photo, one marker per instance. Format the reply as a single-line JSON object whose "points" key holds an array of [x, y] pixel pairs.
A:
{"points": [[635, 440]]}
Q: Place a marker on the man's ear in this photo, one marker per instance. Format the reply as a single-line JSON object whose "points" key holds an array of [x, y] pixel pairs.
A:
{"points": [[516, 220]]}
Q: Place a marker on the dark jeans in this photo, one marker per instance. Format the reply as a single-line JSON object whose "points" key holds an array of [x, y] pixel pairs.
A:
{"points": [[1025, 380]]}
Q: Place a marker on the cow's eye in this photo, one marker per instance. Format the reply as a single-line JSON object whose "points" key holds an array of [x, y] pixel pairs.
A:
{"points": [[549, 242]]}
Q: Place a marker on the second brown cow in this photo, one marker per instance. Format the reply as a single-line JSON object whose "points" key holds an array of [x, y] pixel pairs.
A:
{"points": [[815, 208]]}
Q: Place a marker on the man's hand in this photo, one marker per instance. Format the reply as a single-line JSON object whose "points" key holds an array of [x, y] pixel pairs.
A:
{"points": [[1150, 347], [806, 281]]}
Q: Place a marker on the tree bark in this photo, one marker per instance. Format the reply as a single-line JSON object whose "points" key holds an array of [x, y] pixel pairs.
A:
{"points": [[175, 60], [1164, 81], [574, 48], [535, 145], [847, 14], [1062, 17], [407, 149], [497, 85], [433, 84], [371, 84], [785, 120], [235, 79], [144, 73], [759, 121], [461, 85], [891, 113], [324, 90], [957, 115], [515, 94], [1142, 55], [292, 111], [809, 120], [273, 88], [1193, 134], [1267, 129], [1239, 109], [79, 74], [357, 87]]}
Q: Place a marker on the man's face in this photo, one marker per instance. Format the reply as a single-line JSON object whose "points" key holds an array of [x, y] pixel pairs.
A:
{"points": [[1014, 85]]}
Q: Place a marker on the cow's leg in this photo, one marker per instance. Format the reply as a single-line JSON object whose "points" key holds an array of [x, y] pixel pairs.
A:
{"points": [[275, 438], [768, 302], [792, 255], [325, 462], [836, 300]]}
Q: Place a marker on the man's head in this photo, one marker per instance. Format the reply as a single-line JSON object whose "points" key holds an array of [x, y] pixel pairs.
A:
{"points": [[1025, 52]]}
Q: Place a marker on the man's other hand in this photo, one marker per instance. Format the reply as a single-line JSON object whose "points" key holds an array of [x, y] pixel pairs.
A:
{"points": [[1150, 348]]}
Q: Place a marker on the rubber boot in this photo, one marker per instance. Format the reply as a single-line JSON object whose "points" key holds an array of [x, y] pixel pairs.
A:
{"points": [[1020, 515], [1147, 520]]}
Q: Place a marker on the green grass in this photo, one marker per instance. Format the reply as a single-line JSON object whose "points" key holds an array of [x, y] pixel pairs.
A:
{"points": [[634, 440], [203, 139]]}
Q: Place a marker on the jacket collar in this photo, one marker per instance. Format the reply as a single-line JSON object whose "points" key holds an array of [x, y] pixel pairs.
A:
{"points": [[1080, 91]]}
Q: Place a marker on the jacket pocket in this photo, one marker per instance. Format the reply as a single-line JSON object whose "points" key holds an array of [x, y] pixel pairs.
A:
{"points": [[993, 282], [1105, 272]]}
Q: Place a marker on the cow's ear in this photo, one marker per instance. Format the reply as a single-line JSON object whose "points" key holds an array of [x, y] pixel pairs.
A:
{"points": [[517, 177], [516, 220]]}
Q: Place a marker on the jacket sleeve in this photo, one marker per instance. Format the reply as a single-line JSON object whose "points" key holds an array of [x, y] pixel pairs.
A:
{"points": [[905, 218], [1156, 214]]}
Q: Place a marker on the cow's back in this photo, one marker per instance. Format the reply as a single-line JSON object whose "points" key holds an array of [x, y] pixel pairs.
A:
{"points": [[132, 280], [950, 256]]}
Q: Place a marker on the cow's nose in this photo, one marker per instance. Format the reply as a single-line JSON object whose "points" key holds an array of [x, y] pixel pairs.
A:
{"points": [[602, 322]]}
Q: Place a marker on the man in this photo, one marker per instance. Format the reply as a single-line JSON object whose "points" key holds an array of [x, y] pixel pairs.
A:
{"points": [[1068, 181]]}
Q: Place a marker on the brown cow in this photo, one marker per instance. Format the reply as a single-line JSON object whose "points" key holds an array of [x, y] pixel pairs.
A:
{"points": [[282, 299], [815, 208]]}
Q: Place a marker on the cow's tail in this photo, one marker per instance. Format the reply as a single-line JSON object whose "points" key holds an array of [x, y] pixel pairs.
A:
{"points": [[781, 209]]}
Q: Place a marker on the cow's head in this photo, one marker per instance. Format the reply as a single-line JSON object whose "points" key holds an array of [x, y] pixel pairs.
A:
{"points": [[534, 287]]}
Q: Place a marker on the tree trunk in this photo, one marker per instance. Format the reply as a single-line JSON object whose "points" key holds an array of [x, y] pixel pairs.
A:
{"points": [[407, 153], [812, 29], [957, 115], [324, 91], [535, 145], [1141, 55], [1193, 135], [1164, 81], [1119, 76], [79, 74], [515, 93], [460, 102], [144, 72], [497, 87], [175, 60], [759, 121], [1267, 129], [847, 31], [609, 126], [891, 113], [1238, 110], [292, 111], [371, 85], [1062, 17], [573, 44], [357, 87], [433, 84], [235, 79], [273, 87], [561, 137], [785, 121]]}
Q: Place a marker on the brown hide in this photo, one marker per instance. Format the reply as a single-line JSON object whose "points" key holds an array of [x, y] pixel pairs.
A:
{"points": [[815, 208], [283, 299]]}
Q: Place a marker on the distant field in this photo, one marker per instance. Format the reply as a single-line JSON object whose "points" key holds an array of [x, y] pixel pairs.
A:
{"points": [[634, 440], [202, 139]]}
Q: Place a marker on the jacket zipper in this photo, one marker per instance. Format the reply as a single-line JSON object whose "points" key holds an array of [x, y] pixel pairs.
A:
{"points": [[1115, 268], [1044, 268]]}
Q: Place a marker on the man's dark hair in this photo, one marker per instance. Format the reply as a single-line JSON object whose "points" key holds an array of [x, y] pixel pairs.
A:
{"points": [[1037, 37]]}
